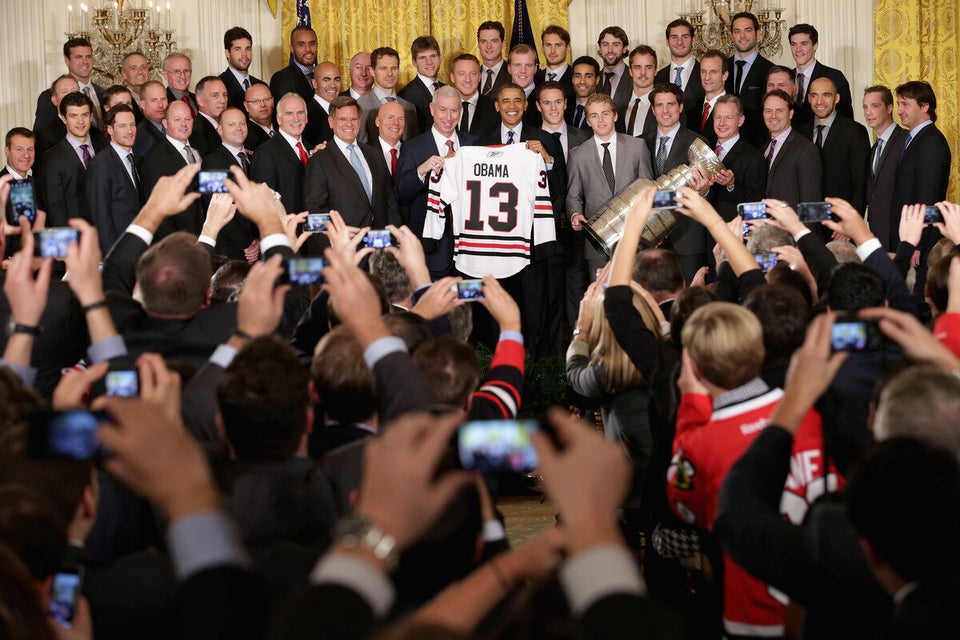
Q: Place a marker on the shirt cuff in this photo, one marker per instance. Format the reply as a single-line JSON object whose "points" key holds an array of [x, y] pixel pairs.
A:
{"points": [[364, 580], [207, 240], [598, 573], [223, 356], [800, 234], [512, 335], [27, 374], [141, 233], [107, 349], [578, 348], [868, 247], [382, 347], [493, 531], [204, 540], [274, 240]]}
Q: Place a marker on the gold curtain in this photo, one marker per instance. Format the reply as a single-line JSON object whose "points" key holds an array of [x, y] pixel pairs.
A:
{"points": [[343, 28], [918, 40]]}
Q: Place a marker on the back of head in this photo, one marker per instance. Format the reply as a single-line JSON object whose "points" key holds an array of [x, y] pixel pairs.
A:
{"points": [[764, 238], [17, 400], [843, 251], [937, 287], [944, 246], [461, 322], [341, 377], [174, 276], [784, 316], [392, 274], [658, 271], [853, 287], [227, 280], [923, 403], [451, 367], [22, 616], [413, 329], [726, 343], [904, 499], [263, 397], [782, 274], [33, 529], [619, 372], [686, 302]]}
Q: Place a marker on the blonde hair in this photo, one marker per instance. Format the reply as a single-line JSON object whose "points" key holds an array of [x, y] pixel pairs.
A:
{"points": [[726, 342], [619, 372]]}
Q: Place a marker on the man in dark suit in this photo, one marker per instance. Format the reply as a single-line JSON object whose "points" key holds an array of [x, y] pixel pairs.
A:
{"points": [[522, 63], [884, 158], [745, 172], [748, 74], [419, 159], [361, 77], [20, 153], [844, 145], [50, 130], [177, 71], [385, 62], [924, 168], [794, 168], [237, 238], [211, 100], [113, 182], [78, 57], [494, 72], [348, 177], [150, 131], [478, 115], [238, 49], [683, 70], [296, 76], [552, 106], [135, 71], [586, 78], [612, 47], [326, 79], [636, 117], [555, 41], [425, 53], [258, 103], [804, 40], [62, 175], [713, 77], [669, 146], [170, 156], [280, 161]]}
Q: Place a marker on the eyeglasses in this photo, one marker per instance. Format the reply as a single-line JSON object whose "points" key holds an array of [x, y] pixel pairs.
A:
{"points": [[260, 100], [179, 72]]}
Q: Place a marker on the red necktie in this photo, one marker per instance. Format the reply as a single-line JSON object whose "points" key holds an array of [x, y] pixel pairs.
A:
{"points": [[393, 162], [186, 101], [303, 154], [450, 150], [706, 114]]}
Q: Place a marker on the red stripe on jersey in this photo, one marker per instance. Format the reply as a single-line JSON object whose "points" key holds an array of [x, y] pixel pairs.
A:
{"points": [[494, 245]]}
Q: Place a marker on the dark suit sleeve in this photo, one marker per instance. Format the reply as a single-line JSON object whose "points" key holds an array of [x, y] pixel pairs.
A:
{"points": [[330, 611], [859, 167], [408, 185], [751, 184], [897, 294], [820, 259], [120, 265], [315, 191], [198, 404], [809, 174], [620, 615], [929, 185], [57, 189], [640, 345], [311, 327], [401, 387], [100, 197], [221, 603]]}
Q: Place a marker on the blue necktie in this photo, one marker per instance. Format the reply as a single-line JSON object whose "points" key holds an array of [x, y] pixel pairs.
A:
{"points": [[678, 80], [355, 161], [905, 145], [509, 137]]}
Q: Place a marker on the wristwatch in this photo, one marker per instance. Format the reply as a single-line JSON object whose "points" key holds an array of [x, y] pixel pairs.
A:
{"points": [[359, 532], [15, 327]]}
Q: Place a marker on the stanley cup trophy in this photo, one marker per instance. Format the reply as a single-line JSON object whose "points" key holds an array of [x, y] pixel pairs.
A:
{"points": [[605, 228]]}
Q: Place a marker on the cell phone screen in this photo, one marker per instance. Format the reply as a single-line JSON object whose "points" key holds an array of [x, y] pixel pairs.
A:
{"points": [[752, 210], [665, 199], [21, 202], [932, 214], [124, 384], [66, 434], [498, 445], [814, 211], [470, 290], [53, 243], [64, 595], [306, 271], [317, 222], [212, 181], [378, 239], [856, 335], [766, 261]]}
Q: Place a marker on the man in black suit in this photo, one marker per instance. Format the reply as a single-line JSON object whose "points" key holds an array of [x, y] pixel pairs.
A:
{"points": [[113, 182], [586, 79], [552, 106], [419, 159], [748, 74], [522, 63], [348, 177], [924, 168], [884, 158], [237, 239], [168, 158], [211, 100], [258, 103], [794, 168], [150, 131], [425, 53], [296, 76], [804, 40], [78, 57], [478, 116], [555, 41], [326, 80], [668, 147], [135, 71], [745, 172], [280, 161], [20, 152], [636, 117], [683, 70], [494, 72], [238, 49], [713, 77], [49, 131], [844, 146], [612, 47], [62, 174], [177, 71]]}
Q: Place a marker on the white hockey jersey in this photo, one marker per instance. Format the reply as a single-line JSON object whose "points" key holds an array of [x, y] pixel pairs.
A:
{"points": [[500, 204]]}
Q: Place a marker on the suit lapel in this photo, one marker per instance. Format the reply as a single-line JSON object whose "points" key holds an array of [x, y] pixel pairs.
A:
{"points": [[622, 169], [783, 152], [342, 163], [678, 150]]}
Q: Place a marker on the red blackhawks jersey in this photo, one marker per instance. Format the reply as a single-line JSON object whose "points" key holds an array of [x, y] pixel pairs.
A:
{"points": [[500, 204], [707, 443]]}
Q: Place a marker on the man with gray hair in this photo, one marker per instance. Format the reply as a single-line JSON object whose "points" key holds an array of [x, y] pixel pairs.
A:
{"points": [[177, 71], [281, 160]]}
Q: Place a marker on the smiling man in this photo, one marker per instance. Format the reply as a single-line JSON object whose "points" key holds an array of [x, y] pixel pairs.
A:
{"points": [[523, 70], [425, 53], [238, 50], [748, 74], [612, 48], [884, 158], [804, 40], [327, 81], [296, 76], [385, 63], [586, 78], [478, 115], [177, 71], [150, 132], [683, 70], [494, 73], [636, 117], [361, 76], [745, 171], [713, 76], [78, 58], [555, 42], [211, 100], [281, 160], [113, 183], [390, 123], [794, 169]]}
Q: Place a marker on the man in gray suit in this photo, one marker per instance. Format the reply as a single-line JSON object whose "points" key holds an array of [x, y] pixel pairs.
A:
{"points": [[385, 63], [600, 170], [795, 169], [884, 158]]}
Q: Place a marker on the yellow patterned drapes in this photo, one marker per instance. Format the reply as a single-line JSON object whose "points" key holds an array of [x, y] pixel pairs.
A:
{"points": [[345, 27], [918, 40]]}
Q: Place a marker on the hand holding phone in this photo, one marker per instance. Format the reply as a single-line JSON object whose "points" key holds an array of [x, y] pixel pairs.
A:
{"points": [[469, 290], [766, 260], [53, 243], [665, 199], [317, 222], [378, 239], [65, 593], [21, 202], [815, 212], [212, 181], [123, 383], [856, 335]]}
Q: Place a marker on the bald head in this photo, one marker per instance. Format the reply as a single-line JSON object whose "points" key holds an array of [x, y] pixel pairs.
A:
{"points": [[390, 122], [823, 98], [326, 81], [179, 121]]}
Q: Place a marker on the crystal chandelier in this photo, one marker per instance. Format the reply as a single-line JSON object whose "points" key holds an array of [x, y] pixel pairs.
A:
{"points": [[711, 23]]}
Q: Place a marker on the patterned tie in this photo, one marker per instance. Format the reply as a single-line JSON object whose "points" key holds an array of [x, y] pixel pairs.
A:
{"points": [[450, 149], [608, 167], [302, 153], [877, 152], [189, 155], [819, 140], [633, 117], [246, 83], [488, 83], [136, 176], [509, 137], [705, 116], [718, 150], [271, 133], [607, 86], [436, 85], [551, 76], [393, 162], [906, 144], [801, 88], [355, 161], [578, 116], [391, 98], [85, 155], [661, 160], [186, 101], [739, 79], [465, 116], [678, 80], [244, 162], [770, 152]]}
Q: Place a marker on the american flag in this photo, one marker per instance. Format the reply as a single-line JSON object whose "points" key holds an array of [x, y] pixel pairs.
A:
{"points": [[303, 13]]}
